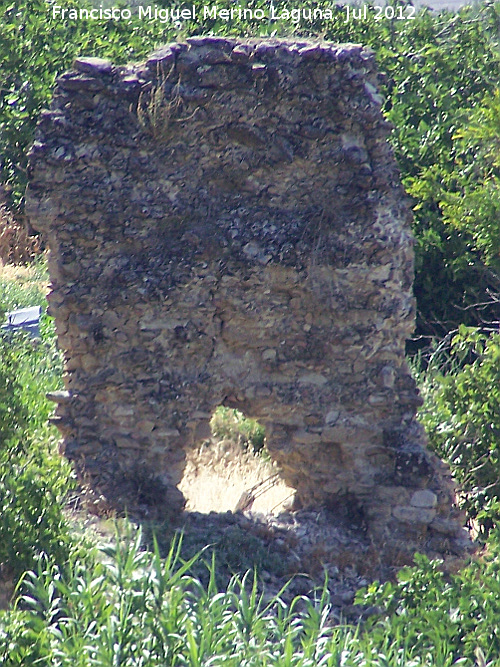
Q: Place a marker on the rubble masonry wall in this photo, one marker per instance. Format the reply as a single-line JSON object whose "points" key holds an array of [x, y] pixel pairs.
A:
{"points": [[227, 226]]}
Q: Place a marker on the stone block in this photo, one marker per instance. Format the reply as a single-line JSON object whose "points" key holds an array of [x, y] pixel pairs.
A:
{"points": [[424, 498], [412, 514], [305, 437], [449, 527]]}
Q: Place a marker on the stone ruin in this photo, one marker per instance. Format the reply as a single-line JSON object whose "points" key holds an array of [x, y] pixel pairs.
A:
{"points": [[227, 227]]}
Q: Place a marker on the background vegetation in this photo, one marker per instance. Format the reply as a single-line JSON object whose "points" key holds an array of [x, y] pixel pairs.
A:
{"points": [[441, 74], [124, 606]]}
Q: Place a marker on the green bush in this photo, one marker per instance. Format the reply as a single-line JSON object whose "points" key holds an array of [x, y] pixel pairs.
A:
{"points": [[442, 619], [33, 479], [233, 425], [471, 199], [461, 413], [13, 414], [439, 69], [33, 489]]}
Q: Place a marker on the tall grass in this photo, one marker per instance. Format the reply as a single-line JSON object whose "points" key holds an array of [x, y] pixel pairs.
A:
{"points": [[121, 605], [23, 286]]}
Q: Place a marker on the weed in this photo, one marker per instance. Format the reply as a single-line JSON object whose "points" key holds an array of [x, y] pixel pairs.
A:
{"points": [[155, 113]]}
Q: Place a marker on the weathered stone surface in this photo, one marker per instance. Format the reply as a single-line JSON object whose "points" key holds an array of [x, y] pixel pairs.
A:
{"points": [[424, 498], [93, 65], [413, 514], [227, 226], [445, 526]]}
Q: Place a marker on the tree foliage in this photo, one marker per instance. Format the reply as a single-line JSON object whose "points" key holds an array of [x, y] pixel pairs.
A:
{"points": [[461, 413], [438, 69]]}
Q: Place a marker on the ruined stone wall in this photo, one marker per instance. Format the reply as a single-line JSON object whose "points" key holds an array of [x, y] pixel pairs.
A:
{"points": [[227, 226]]}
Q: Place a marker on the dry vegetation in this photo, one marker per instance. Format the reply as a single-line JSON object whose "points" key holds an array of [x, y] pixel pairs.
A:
{"points": [[219, 474], [17, 245]]}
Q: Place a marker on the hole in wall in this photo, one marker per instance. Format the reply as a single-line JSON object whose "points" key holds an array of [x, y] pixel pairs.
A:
{"points": [[232, 470]]}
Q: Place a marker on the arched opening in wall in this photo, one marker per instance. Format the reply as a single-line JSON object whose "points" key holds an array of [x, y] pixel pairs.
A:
{"points": [[230, 469]]}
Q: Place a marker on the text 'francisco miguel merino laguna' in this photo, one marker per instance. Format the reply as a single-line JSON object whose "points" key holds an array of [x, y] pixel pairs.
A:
{"points": [[191, 13]]}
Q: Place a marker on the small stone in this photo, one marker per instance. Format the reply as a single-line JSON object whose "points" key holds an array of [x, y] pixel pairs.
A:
{"points": [[388, 376], [209, 40], [424, 498], [145, 425], [161, 57], [445, 526], [59, 396], [89, 362], [313, 378], [125, 443], [81, 83], [242, 52], [252, 249], [375, 400], [312, 52], [123, 411], [332, 416], [93, 65], [413, 514], [269, 355], [202, 430], [303, 585], [347, 597], [259, 69], [373, 95], [168, 433], [265, 49], [336, 434], [305, 437], [312, 420]]}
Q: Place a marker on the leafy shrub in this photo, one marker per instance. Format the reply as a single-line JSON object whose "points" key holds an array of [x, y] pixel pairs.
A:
{"points": [[461, 413], [446, 619], [232, 424], [33, 480], [426, 110], [471, 199], [33, 488]]}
